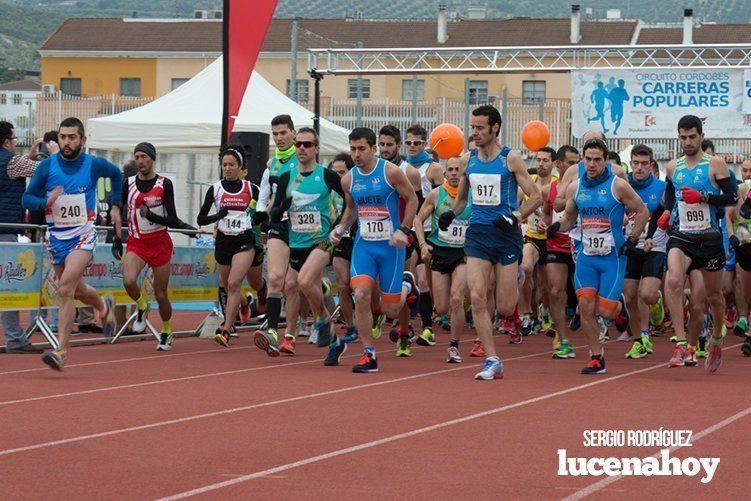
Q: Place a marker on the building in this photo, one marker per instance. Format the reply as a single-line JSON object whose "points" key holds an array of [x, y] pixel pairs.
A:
{"points": [[18, 102]]}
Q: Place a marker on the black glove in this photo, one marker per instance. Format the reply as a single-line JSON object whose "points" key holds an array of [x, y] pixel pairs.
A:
{"points": [[734, 242], [444, 221], [745, 210], [276, 214], [273, 180], [145, 212], [117, 248], [553, 229], [260, 217], [506, 223], [629, 247]]}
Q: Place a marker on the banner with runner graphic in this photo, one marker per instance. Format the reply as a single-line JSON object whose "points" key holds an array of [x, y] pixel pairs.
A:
{"points": [[632, 103], [20, 276]]}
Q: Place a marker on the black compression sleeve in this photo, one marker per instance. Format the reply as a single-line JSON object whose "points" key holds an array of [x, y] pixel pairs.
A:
{"points": [[281, 202], [728, 195], [669, 195], [170, 219], [333, 181], [203, 215], [652, 228]]}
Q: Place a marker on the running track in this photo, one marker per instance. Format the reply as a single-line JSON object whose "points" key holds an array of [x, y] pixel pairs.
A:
{"points": [[125, 421]]}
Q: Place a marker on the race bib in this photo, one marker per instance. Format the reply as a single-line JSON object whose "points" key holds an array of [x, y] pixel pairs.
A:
{"points": [[69, 210], [534, 221], [597, 242], [306, 221], [144, 225], [486, 189], [234, 223], [375, 223], [693, 217], [454, 234]]}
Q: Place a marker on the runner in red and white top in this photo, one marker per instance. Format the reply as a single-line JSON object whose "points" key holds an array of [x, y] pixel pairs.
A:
{"points": [[150, 204]]}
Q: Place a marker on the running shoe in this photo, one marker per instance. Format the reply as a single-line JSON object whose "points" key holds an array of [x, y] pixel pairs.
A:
{"points": [[403, 347], [426, 338], [394, 332], [244, 312], [741, 327], [701, 347], [492, 369], [139, 324], [514, 338], [714, 357], [54, 359], [625, 337], [730, 316], [453, 356], [674, 338], [551, 333], [266, 341], [108, 319], [596, 365], [576, 322], [303, 329], [313, 335], [368, 363], [621, 321], [746, 348], [477, 350], [564, 351], [444, 322], [547, 320], [657, 311], [288, 345], [222, 337], [604, 336], [414, 292], [537, 326], [638, 350], [690, 359], [678, 356], [509, 326], [377, 326], [165, 341], [336, 350], [351, 336], [648, 344], [324, 333], [527, 325]]}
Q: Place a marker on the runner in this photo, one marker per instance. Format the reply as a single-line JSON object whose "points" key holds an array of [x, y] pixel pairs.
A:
{"points": [[740, 239], [698, 185], [646, 264], [559, 265], [493, 242], [305, 191], [743, 280], [342, 164], [277, 263], [597, 202], [372, 190], [444, 250], [235, 201], [534, 247], [64, 186], [150, 203], [431, 176]]}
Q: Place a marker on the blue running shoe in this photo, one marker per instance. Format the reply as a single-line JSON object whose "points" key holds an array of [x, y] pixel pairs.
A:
{"points": [[336, 350], [493, 369], [108, 320], [576, 322], [351, 336]]}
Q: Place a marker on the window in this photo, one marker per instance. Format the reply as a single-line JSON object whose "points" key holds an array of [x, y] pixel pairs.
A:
{"points": [[130, 87], [352, 88], [478, 92], [302, 90], [533, 91], [177, 82], [3, 99], [70, 86], [17, 98], [408, 91]]}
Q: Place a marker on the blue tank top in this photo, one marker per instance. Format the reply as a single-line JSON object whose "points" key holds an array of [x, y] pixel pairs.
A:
{"points": [[493, 186], [698, 218], [600, 219], [376, 202], [650, 191], [74, 212]]}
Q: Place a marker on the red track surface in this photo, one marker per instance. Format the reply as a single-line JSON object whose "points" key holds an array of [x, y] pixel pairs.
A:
{"points": [[125, 421]]}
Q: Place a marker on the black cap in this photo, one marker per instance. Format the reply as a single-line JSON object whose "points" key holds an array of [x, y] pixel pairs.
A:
{"points": [[146, 148]]}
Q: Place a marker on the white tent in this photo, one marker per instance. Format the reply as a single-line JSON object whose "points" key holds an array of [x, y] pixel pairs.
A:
{"points": [[189, 119]]}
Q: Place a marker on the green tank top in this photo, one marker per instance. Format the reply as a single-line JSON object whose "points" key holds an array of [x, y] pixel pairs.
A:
{"points": [[455, 234], [277, 168], [311, 210]]}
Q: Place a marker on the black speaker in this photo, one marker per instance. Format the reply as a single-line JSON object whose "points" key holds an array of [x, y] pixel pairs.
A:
{"points": [[257, 146]]}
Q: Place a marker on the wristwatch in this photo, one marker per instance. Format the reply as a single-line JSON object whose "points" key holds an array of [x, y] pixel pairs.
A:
{"points": [[405, 229]]}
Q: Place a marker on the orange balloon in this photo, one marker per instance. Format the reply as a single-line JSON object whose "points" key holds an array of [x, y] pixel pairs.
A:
{"points": [[447, 140], [535, 135]]}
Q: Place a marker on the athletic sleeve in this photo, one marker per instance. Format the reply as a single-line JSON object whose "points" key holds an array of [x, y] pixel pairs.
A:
{"points": [[728, 195], [35, 196], [203, 215], [104, 168], [281, 202], [669, 195], [265, 192], [124, 200], [170, 219], [334, 182]]}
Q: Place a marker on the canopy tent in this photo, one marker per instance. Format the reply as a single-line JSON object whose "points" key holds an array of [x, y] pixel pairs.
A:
{"points": [[189, 119]]}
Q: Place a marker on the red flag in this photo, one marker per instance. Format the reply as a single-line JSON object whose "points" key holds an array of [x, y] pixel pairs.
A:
{"points": [[245, 25]]}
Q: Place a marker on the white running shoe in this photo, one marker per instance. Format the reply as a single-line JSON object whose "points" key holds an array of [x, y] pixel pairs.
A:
{"points": [[493, 369], [453, 356]]}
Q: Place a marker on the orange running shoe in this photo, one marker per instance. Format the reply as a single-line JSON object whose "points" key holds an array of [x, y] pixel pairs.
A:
{"points": [[477, 350], [679, 355], [288, 345]]}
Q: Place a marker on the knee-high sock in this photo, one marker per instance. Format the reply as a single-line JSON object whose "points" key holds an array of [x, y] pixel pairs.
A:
{"points": [[426, 309], [273, 310]]}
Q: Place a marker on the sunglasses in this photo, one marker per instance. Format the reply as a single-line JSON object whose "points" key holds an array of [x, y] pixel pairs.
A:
{"points": [[417, 142], [305, 144]]}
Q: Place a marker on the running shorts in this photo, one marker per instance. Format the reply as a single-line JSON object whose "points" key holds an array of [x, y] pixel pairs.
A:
{"points": [[645, 264], [298, 256], [743, 257], [279, 231], [229, 245], [445, 260], [555, 257], [604, 274], [485, 241], [344, 249], [378, 262], [59, 249], [706, 252], [155, 252], [258, 257], [540, 244]]}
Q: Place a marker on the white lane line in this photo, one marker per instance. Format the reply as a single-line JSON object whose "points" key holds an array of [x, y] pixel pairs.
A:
{"points": [[591, 489], [186, 419], [400, 436]]}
